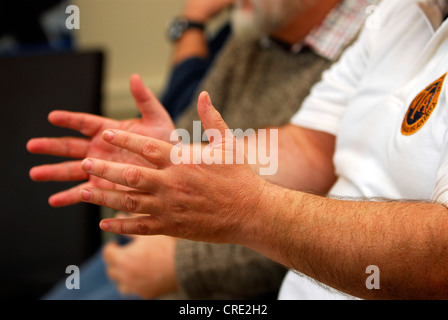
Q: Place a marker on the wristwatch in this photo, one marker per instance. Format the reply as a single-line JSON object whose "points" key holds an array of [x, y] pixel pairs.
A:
{"points": [[179, 25]]}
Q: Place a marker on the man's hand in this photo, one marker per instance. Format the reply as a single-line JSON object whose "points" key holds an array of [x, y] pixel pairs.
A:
{"points": [[203, 10], [145, 266], [206, 201], [155, 122]]}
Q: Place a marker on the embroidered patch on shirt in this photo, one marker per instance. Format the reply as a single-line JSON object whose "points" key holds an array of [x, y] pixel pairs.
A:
{"points": [[422, 107]]}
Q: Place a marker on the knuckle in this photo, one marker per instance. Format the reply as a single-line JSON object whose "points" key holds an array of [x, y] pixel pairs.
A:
{"points": [[125, 140], [141, 228], [68, 146], [132, 176], [130, 203], [102, 199], [148, 148], [103, 170], [183, 189], [178, 208], [134, 227]]}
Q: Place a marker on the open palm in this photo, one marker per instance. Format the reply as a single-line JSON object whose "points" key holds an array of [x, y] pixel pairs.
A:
{"points": [[155, 122]]}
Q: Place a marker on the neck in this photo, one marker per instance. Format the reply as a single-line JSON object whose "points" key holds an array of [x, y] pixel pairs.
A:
{"points": [[305, 21]]}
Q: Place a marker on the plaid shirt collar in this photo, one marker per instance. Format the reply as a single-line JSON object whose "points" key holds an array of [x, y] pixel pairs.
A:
{"points": [[339, 28], [344, 22]]}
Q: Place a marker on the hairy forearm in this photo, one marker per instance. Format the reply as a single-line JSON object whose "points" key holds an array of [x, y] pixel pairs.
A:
{"points": [[334, 241], [193, 43], [331, 240]]}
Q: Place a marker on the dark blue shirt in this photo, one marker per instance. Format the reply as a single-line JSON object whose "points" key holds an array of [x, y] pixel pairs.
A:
{"points": [[186, 76]]}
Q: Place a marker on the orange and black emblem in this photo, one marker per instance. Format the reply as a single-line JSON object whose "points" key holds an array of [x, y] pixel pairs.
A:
{"points": [[422, 107]]}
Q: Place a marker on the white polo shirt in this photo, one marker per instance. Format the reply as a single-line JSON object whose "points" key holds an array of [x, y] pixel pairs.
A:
{"points": [[386, 101]]}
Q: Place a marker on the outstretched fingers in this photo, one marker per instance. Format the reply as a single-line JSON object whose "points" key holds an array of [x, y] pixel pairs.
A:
{"points": [[153, 113], [87, 124], [67, 197], [210, 117], [65, 171], [131, 176], [64, 147], [128, 201], [155, 151], [141, 225], [216, 129]]}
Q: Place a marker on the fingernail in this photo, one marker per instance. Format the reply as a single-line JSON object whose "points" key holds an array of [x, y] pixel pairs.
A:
{"points": [[105, 225], [208, 100], [108, 135], [86, 195], [87, 165]]}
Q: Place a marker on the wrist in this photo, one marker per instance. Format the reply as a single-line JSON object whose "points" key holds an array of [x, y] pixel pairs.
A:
{"points": [[179, 26], [195, 18], [195, 15], [284, 225], [270, 219]]}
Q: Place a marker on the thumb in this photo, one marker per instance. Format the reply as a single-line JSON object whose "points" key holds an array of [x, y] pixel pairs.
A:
{"points": [[147, 103], [211, 119]]}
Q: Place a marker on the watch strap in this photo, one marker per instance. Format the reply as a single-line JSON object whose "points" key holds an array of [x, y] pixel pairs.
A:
{"points": [[180, 25]]}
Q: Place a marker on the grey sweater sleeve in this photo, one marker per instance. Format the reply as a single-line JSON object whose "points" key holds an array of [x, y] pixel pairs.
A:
{"points": [[225, 271]]}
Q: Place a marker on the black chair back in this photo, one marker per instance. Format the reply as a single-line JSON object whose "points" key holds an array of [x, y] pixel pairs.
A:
{"points": [[38, 242]]}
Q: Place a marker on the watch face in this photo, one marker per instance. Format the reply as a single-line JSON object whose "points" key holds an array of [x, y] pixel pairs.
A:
{"points": [[177, 28]]}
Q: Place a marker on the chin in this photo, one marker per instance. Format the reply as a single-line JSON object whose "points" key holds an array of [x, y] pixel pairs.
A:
{"points": [[245, 24]]}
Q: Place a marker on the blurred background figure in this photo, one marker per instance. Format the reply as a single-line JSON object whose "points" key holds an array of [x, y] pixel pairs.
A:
{"points": [[33, 25]]}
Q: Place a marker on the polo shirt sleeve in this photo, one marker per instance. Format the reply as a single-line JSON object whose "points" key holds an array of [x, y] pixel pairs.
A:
{"points": [[324, 108], [440, 193]]}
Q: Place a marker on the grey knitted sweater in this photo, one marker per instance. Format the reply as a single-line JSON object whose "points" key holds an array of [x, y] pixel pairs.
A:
{"points": [[252, 87]]}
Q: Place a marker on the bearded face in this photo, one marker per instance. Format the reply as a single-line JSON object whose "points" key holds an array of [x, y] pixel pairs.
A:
{"points": [[252, 18]]}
